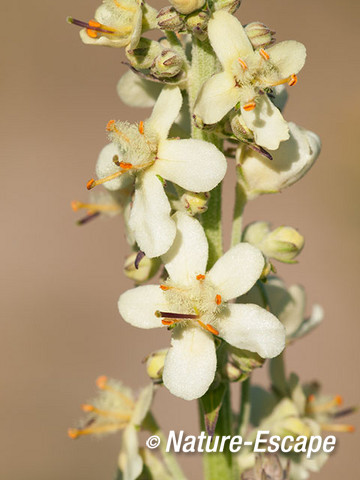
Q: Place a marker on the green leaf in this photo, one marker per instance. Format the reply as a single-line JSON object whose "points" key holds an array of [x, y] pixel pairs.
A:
{"points": [[211, 403]]}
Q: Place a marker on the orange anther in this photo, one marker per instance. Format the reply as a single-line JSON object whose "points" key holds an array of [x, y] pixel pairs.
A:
{"points": [[249, 106], [94, 23], [125, 166], [110, 125], [101, 382], [311, 398], [90, 184], [211, 329], [243, 64], [141, 127], [164, 287], [75, 205], [351, 428], [200, 277], [91, 33], [167, 322], [73, 433], [338, 400], [293, 80], [264, 54], [218, 299], [87, 408]]}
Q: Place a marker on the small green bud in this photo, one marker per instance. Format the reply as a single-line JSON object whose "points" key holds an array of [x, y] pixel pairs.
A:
{"points": [[197, 24], [169, 19], [147, 268], [240, 129], [187, 6], [241, 363], [282, 244], [155, 364], [228, 5], [259, 35], [195, 202], [167, 64], [144, 54]]}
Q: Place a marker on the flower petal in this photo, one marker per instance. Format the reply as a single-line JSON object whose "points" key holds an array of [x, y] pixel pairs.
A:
{"points": [[130, 462], [136, 91], [143, 404], [290, 163], [253, 328], [190, 364], [150, 220], [188, 254], [138, 306], [195, 165], [267, 123], [228, 38], [105, 167], [289, 57], [216, 98], [237, 271], [166, 109]]}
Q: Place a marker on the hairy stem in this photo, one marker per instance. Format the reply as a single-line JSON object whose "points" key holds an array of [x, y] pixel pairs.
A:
{"points": [[245, 407], [240, 202]]}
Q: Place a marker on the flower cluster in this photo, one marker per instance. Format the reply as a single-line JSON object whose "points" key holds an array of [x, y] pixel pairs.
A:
{"points": [[217, 89]]}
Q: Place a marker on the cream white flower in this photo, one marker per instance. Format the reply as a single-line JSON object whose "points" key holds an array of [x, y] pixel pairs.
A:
{"points": [[136, 91], [293, 158], [195, 304], [114, 409], [288, 305], [117, 23], [145, 153], [246, 75]]}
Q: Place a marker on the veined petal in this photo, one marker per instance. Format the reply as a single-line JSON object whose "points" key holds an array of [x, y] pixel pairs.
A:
{"points": [[217, 97], [289, 57], [130, 462], [195, 165], [143, 404], [237, 271], [166, 109], [253, 328], [267, 123], [136, 91], [290, 163], [228, 38], [150, 220], [105, 167], [190, 363], [188, 254], [138, 306]]}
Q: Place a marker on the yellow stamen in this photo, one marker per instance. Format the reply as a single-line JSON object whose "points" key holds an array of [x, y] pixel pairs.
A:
{"points": [[324, 407], [200, 277], [105, 413], [292, 80], [77, 432], [93, 183], [218, 299], [211, 329], [93, 207], [249, 106], [102, 384], [264, 54], [111, 127], [141, 127], [243, 64], [337, 428]]}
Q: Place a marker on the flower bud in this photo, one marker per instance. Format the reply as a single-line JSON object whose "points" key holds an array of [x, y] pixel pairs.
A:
{"points": [[187, 6], [282, 244], [169, 19], [147, 268], [195, 202], [240, 129], [167, 64], [241, 363], [197, 24], [144, 55], [259, 35], [228, 5], [155, 364]]}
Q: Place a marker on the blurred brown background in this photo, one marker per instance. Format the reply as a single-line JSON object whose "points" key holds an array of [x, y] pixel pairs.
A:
{"points": [[60, 327]]}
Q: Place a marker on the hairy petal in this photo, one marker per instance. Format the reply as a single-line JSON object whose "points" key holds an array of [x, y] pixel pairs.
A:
{"points": [[136, 91], [289, 57], [166, 110]]}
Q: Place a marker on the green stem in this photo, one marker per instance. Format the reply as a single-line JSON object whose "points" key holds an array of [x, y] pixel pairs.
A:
{"points": [[245, 407], [278, 375], [170, 461], [240, 202]]}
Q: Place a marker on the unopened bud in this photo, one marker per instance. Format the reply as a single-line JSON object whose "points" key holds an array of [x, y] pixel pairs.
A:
{"points": [[241, 363], [240, 129], [259, 35], [146, 268], [195, 203], [228, 5], [197, 24], [282, 244], [144, 54], [155, 364], [169, 19], [167, 64], [187, 6]]}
